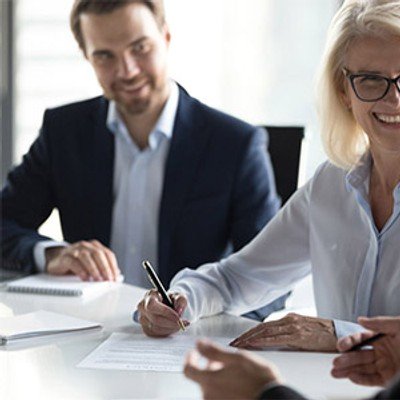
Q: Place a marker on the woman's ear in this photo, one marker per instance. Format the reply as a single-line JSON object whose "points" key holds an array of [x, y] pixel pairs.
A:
{"points": [[345, 95]]}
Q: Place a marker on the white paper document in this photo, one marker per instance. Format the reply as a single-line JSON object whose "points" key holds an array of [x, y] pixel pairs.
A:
{"points": [[129, 352]]}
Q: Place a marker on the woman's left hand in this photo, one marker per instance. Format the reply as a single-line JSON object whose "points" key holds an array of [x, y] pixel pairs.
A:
{"points": [[293, 331]]}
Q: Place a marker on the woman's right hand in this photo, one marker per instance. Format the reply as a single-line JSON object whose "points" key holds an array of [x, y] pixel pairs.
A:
{"points": [[156, 318]]}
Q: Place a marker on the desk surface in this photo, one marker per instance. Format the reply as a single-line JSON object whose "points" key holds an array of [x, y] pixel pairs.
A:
{"points": [[46, 368]]}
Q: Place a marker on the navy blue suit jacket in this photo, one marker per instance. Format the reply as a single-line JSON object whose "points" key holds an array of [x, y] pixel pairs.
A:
{"points": [[218, 187], [282, 392]]}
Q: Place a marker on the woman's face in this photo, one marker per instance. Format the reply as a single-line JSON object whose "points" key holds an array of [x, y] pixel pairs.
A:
{"points": [[380, 119]]}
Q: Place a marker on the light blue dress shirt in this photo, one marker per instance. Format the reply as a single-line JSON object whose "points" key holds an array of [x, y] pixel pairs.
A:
{"points": [[325, 229], [137, 189], [138, 183]]}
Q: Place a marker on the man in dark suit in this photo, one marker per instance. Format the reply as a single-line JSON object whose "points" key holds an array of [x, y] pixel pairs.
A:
{"points": [[283, 392], [143, 172], [241, 375]]}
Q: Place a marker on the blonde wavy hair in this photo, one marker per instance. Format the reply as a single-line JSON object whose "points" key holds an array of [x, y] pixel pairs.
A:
{"points": [[343, 138]]}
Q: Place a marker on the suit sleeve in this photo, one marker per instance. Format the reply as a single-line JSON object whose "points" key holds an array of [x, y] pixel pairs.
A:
{"points": [[280, 392], [255, 197], [392, 391], [27, 200]]}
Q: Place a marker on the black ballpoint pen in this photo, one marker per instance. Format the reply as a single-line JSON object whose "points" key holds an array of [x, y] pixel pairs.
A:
{"points": [[366, 342], [155, 280]]}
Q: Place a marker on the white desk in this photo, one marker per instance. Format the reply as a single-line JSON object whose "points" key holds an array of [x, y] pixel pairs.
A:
{"points": [[45, 369]]}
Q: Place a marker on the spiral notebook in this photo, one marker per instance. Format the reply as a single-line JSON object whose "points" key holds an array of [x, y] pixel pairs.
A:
{"points": [[59, 285]]}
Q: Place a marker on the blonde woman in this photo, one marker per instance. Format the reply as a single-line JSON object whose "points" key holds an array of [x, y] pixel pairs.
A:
{"points": [[343, 226]]}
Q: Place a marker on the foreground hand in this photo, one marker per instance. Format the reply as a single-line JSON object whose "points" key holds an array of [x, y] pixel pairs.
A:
{"points": [[229, 375], [156, 318], [371, 367], [87, 259], [293, 331]]}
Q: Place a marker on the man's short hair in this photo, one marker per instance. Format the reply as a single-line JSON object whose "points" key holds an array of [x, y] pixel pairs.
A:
{"points": [[106, 7]]}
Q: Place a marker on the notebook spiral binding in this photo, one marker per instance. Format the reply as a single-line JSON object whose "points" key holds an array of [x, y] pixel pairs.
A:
{"points": [[50, 291]]}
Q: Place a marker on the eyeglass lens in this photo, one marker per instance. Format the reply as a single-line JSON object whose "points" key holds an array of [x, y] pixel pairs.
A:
{"points": [[371, 87]]}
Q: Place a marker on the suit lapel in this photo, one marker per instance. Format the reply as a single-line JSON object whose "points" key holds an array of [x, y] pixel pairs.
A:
{"points": [[100, 176], [187, 145]]}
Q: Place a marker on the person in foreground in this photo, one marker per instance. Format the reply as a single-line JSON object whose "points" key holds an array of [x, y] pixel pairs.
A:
{"points": [[242, 375], [144, 171], [343, 226]]}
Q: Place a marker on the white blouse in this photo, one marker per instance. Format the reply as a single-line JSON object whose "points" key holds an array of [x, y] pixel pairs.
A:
{"points": [[325, 229]]}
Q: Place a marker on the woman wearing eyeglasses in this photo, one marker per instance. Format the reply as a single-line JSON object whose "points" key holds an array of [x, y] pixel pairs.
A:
{"points": [[343, 226]]}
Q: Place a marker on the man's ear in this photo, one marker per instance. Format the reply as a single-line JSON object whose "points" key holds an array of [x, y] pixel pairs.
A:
{"points": [[166, 33], [82, 48]]}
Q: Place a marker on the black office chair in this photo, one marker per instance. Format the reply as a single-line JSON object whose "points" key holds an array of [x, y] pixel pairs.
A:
{"points": [[285, 148]]}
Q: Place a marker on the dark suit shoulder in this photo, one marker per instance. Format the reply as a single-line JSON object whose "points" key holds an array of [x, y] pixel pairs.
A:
{"points": [[222, 117], [86, 105], [75, 119], [280, 392], [221, 123]]}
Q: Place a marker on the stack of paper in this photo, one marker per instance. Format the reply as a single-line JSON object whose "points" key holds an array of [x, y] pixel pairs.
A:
{"points": [[41, 323]]}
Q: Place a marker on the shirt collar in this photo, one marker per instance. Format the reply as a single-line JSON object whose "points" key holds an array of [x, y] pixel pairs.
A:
{"points": [[358, 180], [164, 125], [358, 176]]}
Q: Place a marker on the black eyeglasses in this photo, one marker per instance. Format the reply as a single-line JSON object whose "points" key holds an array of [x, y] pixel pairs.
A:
{"points": [[371, 87]]}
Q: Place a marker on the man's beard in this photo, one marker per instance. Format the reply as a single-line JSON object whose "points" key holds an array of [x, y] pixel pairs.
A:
{"points": [[134, 107]]}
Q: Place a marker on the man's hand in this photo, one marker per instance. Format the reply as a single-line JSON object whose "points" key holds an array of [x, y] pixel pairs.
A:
{"points": [[229, 375], [156, 318], [293, 331], [371, 367], [87, 259]]}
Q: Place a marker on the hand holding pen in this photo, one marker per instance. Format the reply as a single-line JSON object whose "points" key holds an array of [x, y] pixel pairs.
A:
{"points": [[371, 357], [160, 312]]}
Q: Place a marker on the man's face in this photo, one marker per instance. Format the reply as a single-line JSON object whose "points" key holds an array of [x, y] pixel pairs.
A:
{"points": [[128, 52]]}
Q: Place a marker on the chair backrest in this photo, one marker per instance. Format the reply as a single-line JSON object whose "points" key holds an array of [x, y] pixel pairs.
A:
{"points": [[285, 147]]}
